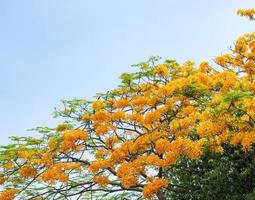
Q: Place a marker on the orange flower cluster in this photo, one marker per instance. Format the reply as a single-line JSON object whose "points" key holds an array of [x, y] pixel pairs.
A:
{"points": [[246, 12], [97, 105], [8, 165], [161, 70], [121, 103], [246, 139], [27, 171], [101, 180], [54, 174], [2, 180], [71, 137], [8, 194], [152, 188], [99, 164], [27, 154]]}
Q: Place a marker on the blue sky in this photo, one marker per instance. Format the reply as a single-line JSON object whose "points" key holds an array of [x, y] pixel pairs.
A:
{"points": [[62, 49]]}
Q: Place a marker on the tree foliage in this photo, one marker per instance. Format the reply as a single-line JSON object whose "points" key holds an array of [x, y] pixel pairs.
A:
{"points": [[167, 131], [226, 176]]}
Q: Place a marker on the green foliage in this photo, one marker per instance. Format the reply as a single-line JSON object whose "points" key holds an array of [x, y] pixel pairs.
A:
{"points": [[234, 95], [230, 176]]}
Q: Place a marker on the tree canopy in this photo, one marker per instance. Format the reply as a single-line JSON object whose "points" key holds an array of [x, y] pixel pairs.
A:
{"points": [[138, 141]]}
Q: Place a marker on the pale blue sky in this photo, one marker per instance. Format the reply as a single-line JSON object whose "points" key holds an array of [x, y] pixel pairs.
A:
{"points": [[55, 49]]}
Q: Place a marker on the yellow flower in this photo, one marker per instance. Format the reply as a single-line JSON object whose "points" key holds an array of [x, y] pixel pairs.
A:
{"points": [[2, 180], [100, 153], [161, 70], [150, 190], [27, 171], [26, 154], [85, 117], [100, 130], [70, 137], [8, 194], [54, 174], [162, 146], [121, 103], [8, 165], [204, 67], [102, 116], [246, 12], [152, 117], [129, 181], [99, 164], [217, 149], [97, 105], [118, 115], [101, 180], [223, 60]]}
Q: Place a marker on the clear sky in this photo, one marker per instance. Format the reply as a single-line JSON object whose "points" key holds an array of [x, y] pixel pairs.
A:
{"points": [[62, 49]]}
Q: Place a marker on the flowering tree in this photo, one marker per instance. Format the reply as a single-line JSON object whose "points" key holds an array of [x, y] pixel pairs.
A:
{"points": [[124, 144]]}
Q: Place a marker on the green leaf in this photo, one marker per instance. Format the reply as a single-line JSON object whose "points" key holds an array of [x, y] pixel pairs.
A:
{"points": [[235, 95]]}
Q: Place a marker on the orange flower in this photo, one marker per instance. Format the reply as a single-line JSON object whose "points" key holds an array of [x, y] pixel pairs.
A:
{"points": [[97, 105], [121, 103], [70, 137], [161, 70], [8, 194], [118, 115], [129, 181], [27, 171], [85, 117], [162, 146], [54, 174], [8, 165], [2, 180], [150, 190], [101, 180], [99, 164]]}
